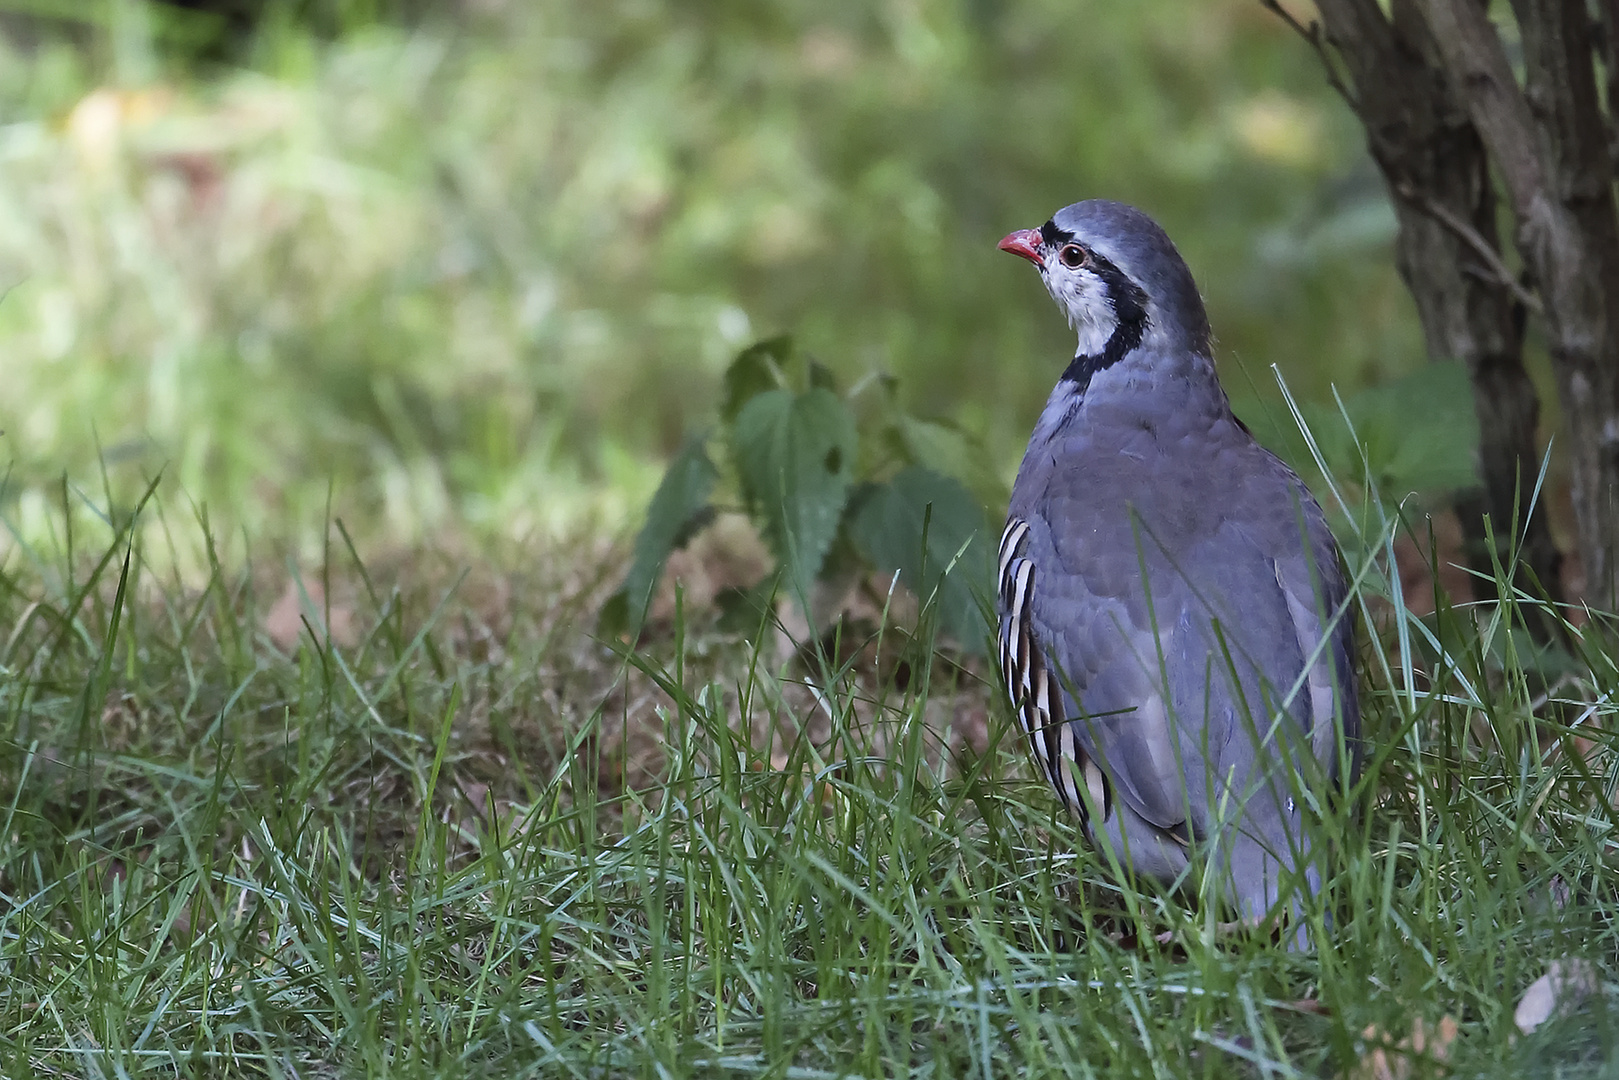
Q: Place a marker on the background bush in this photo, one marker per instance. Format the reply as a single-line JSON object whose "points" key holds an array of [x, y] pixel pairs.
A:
{"points": [[487, 265]]}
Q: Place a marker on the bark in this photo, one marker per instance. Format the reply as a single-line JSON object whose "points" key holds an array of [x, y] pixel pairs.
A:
{"points": [[1549, 142], [1610, 61], [1448, 253]]}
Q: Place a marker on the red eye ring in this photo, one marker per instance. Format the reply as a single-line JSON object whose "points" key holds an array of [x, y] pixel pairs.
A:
{"points": [[1073, 256]]}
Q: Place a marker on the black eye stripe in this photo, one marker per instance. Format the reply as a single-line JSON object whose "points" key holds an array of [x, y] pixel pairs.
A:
{"points": [[1129, 300], [1105, 269], [1118, 284]]}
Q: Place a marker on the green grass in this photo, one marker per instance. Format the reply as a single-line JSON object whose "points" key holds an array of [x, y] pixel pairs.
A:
{"points": [[471, 841]]}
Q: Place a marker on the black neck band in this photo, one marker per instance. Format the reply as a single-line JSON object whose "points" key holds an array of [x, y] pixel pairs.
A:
{"points": [[1129, 304]]}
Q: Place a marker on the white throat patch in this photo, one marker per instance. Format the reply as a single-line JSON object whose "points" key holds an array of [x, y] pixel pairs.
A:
{"points": [[1083, 299]]}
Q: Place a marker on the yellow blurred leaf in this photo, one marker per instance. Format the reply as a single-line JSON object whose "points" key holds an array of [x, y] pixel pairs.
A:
{"points": [[1278, 129]]}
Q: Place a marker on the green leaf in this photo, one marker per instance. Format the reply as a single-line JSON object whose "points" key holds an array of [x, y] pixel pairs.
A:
{"points": [[745, 609], [613, 620], [819, 375], [795, 454], [933, 531], [756, 370], [678, 508], [1417, 433], [951, 450]]}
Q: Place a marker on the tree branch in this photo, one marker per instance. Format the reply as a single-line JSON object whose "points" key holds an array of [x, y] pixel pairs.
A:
{"points": [[1312, 35], [1561, 87], [1479, 67], [1500, 273]]}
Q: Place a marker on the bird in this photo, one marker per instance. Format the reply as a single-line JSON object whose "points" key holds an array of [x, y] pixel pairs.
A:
{"points": [[1173, 629]]}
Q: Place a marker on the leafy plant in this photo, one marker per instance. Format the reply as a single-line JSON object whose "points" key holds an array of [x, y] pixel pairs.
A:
{"points": [[835, 482], [1413, 433]]}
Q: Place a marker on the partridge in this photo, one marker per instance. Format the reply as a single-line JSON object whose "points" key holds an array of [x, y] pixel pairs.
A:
{"points": [[1173, 630]]}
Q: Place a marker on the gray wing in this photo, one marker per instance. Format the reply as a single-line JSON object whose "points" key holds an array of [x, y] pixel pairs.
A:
{"points": [[1177, 632], [1311, 577]]}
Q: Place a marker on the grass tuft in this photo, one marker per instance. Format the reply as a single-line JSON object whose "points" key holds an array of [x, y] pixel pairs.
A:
{"points": [[462, 838]]}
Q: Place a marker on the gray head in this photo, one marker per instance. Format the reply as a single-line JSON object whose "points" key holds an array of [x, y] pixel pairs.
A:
{"points": [[1119, 280]]}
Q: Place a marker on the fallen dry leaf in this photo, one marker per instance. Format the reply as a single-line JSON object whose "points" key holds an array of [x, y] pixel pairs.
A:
{"points": [[1567, 982], [1394, 1062], [285, 625]]}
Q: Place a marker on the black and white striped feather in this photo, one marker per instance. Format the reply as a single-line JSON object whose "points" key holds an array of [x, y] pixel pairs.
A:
{"points": [[1036, 691]]}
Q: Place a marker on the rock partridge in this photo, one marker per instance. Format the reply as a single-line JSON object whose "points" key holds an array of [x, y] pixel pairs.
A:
{"points": [[1173, 630]]}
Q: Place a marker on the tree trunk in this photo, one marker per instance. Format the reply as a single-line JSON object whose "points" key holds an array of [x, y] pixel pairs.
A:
{"points": [[1448, 253], [1549, 141]]}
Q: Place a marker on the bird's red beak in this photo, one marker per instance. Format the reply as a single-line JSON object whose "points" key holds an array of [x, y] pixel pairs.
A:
{"points": [[1025, 242]]}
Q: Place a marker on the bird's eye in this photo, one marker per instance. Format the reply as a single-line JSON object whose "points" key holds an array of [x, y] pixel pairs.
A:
{"points": [[1073, 256]]}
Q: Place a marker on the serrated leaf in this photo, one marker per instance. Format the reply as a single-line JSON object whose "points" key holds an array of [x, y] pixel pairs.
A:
{"points": [[756, 370], [933, 531], [795, 454], [950, 450], [1417, 433], [678, 507]]}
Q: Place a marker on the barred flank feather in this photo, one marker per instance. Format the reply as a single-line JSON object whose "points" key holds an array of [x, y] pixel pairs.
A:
{"points": [[1034, 690]]}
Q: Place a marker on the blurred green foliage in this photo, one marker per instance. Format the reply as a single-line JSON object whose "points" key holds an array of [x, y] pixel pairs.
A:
{"points": [[489, 267], [837, 488]]}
